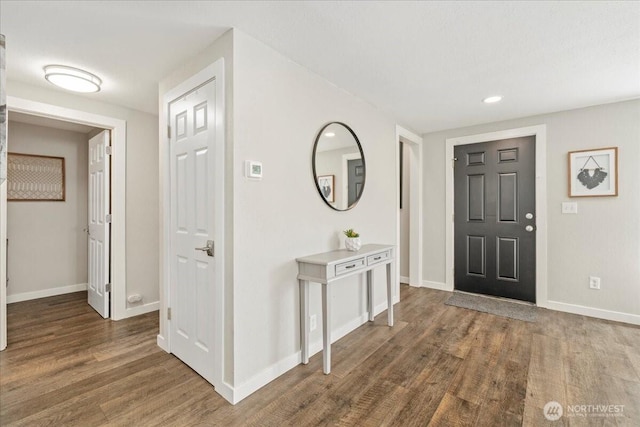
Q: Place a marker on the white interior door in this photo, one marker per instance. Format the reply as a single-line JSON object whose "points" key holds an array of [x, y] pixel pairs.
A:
{"points": [[99, 222], [192, 267]]}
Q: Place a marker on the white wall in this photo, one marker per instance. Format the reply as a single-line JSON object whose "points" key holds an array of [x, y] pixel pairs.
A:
{"points": [[141, 182], [279, 107], [274, 109], [47, 244], [602, 240]]}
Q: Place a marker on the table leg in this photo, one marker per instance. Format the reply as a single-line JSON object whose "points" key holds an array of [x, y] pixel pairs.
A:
{"points": [[304, 320], [326, 328], [370, 294], [390, 293]]}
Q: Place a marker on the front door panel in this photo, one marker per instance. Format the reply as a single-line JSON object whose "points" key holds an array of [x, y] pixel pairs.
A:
{"points": [[494, 220]]}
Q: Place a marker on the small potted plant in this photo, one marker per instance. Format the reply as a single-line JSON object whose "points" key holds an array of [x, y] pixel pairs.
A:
{"points": [[352, 242]]}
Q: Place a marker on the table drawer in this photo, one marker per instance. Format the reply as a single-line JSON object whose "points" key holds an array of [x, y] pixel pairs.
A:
{"points": [[347, 267], [376, 258]]}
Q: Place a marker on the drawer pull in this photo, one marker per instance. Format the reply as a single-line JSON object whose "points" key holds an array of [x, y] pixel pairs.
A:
{"points": [[350, 266], [377, 258]]}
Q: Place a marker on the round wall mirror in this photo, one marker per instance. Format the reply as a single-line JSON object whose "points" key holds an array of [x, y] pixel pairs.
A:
{"points": [[338, 166]]}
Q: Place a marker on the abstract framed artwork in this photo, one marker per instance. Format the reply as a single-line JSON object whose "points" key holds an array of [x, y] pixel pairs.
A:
{"points": [[326, 185], [34, 178], [593, 173]]}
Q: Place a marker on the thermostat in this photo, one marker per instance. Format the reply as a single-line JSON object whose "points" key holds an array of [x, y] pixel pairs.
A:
{"points": [[253, 169]]}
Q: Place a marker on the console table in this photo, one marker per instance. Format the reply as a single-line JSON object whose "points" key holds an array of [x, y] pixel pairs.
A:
{"points": [[329, 267]]}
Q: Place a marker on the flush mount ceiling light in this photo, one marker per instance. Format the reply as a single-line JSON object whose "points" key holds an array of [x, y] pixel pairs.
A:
{"points": [[492, 99], [72, 78]]}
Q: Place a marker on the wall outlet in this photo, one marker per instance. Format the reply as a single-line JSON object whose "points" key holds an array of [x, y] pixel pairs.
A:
{"points": [[569, 207], [313, 322], [594, 282]]}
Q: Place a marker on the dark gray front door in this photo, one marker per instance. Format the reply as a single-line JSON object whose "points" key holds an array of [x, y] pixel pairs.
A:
{"points": [[494, 218], [356, 179]]}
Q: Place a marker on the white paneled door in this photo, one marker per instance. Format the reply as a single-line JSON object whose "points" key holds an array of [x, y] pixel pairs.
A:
{"points": [[192, 129], [99, 222]]}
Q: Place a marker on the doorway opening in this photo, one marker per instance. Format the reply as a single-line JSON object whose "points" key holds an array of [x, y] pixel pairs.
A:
{"points": [[60, 223], [117, 270], [412, 241], [495, 217], [193, 244], [405, 207], [539, 133]]}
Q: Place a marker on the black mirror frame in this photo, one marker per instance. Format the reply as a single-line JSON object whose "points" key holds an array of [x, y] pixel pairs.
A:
{"points": [[315, 173]]}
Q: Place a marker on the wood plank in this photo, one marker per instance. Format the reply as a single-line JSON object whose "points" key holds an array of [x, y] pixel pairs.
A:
{"points": [[439, 365], [454, 411], [428, 390]]}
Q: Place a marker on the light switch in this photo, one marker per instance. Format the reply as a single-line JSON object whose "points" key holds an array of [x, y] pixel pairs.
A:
{"points": [[569, 207]]}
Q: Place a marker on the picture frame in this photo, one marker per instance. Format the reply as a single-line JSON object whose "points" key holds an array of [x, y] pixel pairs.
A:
{"points": [[326, 184], [35, 178], [593, 173]]}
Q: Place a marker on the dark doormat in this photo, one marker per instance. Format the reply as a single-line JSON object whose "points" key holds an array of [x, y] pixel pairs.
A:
{"points": [[499, 307]]}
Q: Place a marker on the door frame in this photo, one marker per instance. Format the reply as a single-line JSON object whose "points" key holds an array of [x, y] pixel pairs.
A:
{"points": [[413, 143], [540, 133], [118, 192], [213, 71]]}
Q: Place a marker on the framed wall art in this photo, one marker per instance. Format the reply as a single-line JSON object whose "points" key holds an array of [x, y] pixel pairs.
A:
{"points": [[593, 172], [35, 178], [326, 185]]}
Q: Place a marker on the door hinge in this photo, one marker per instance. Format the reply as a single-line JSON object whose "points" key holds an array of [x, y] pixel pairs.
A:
{"points": [[169, 313], [168, 131], [107, 287], [453, 162], [107, 218], [108, 150]]}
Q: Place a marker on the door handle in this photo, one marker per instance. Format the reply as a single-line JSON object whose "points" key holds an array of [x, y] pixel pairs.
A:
{"points": [[529, 228], [209, 249]]}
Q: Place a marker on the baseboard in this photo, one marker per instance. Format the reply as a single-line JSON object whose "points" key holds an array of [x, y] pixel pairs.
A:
{"points": [[436, 285], [599, 313], [142, 309], [224, 389], [26, 296], [162, 343], [227, 392], [272, 372], [264, 377], [404, 279]]}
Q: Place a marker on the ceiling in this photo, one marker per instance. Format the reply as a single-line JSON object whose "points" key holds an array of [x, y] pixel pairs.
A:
{"points": [[426, 64]]}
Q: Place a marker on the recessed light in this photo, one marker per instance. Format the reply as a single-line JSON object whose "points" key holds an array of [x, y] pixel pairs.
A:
{"points": [[492, 99], [330, 134], [72, 79]]}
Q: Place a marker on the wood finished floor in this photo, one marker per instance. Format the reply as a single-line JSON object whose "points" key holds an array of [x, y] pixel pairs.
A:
{"points": [[438, 366]]}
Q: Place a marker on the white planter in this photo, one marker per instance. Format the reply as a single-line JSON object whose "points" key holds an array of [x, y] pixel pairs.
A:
{"points": [[353, 243]]}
